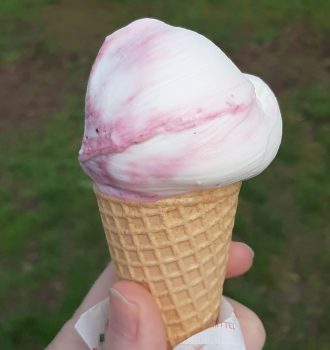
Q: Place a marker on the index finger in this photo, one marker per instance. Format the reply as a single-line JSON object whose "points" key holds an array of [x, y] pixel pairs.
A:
{"points": [[240, 259]]}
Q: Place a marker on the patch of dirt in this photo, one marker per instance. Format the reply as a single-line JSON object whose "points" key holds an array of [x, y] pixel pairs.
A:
{"points": [[30, 91], [48, 293], [298, 57]]}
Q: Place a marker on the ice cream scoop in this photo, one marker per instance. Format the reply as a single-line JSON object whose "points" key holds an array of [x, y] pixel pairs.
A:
{"points": [[167, 112]]}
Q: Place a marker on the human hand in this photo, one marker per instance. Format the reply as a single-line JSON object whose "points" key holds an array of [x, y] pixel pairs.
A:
{"points": [[134, 319]]}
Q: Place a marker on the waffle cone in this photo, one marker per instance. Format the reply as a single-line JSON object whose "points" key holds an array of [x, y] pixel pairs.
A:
{"points": [[177, 248]]}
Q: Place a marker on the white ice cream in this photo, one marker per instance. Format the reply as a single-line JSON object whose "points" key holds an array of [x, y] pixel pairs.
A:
{"points": [[167, 112]]}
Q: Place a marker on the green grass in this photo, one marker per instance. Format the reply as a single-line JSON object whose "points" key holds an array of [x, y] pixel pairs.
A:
{"points": [[52, 246]]}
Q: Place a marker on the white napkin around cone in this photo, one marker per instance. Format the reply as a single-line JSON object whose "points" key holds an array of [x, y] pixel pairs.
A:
{"points": [[226, 335]]}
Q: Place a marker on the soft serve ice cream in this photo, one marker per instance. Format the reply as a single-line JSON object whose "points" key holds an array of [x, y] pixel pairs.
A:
{"points": [[167, 112]]}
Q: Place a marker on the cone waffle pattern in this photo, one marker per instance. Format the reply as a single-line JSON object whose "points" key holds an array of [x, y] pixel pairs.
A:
{"points": [[177, 248]]}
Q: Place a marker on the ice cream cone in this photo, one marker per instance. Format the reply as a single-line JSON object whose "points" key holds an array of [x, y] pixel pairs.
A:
{"points": [[177, 248]]}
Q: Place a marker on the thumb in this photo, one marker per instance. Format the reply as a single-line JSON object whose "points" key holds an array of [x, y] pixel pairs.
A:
{"points": [[134, 320], [251, 326]]}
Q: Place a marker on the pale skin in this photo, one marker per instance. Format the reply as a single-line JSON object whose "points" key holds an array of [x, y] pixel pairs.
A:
{"points": [[134, 319]]}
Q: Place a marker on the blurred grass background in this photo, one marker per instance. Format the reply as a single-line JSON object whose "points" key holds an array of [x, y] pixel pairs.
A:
{"points": [[52, 246]]}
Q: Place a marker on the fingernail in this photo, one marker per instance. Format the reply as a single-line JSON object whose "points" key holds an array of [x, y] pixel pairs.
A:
{"points": [[249, 248], [123, 315]]}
